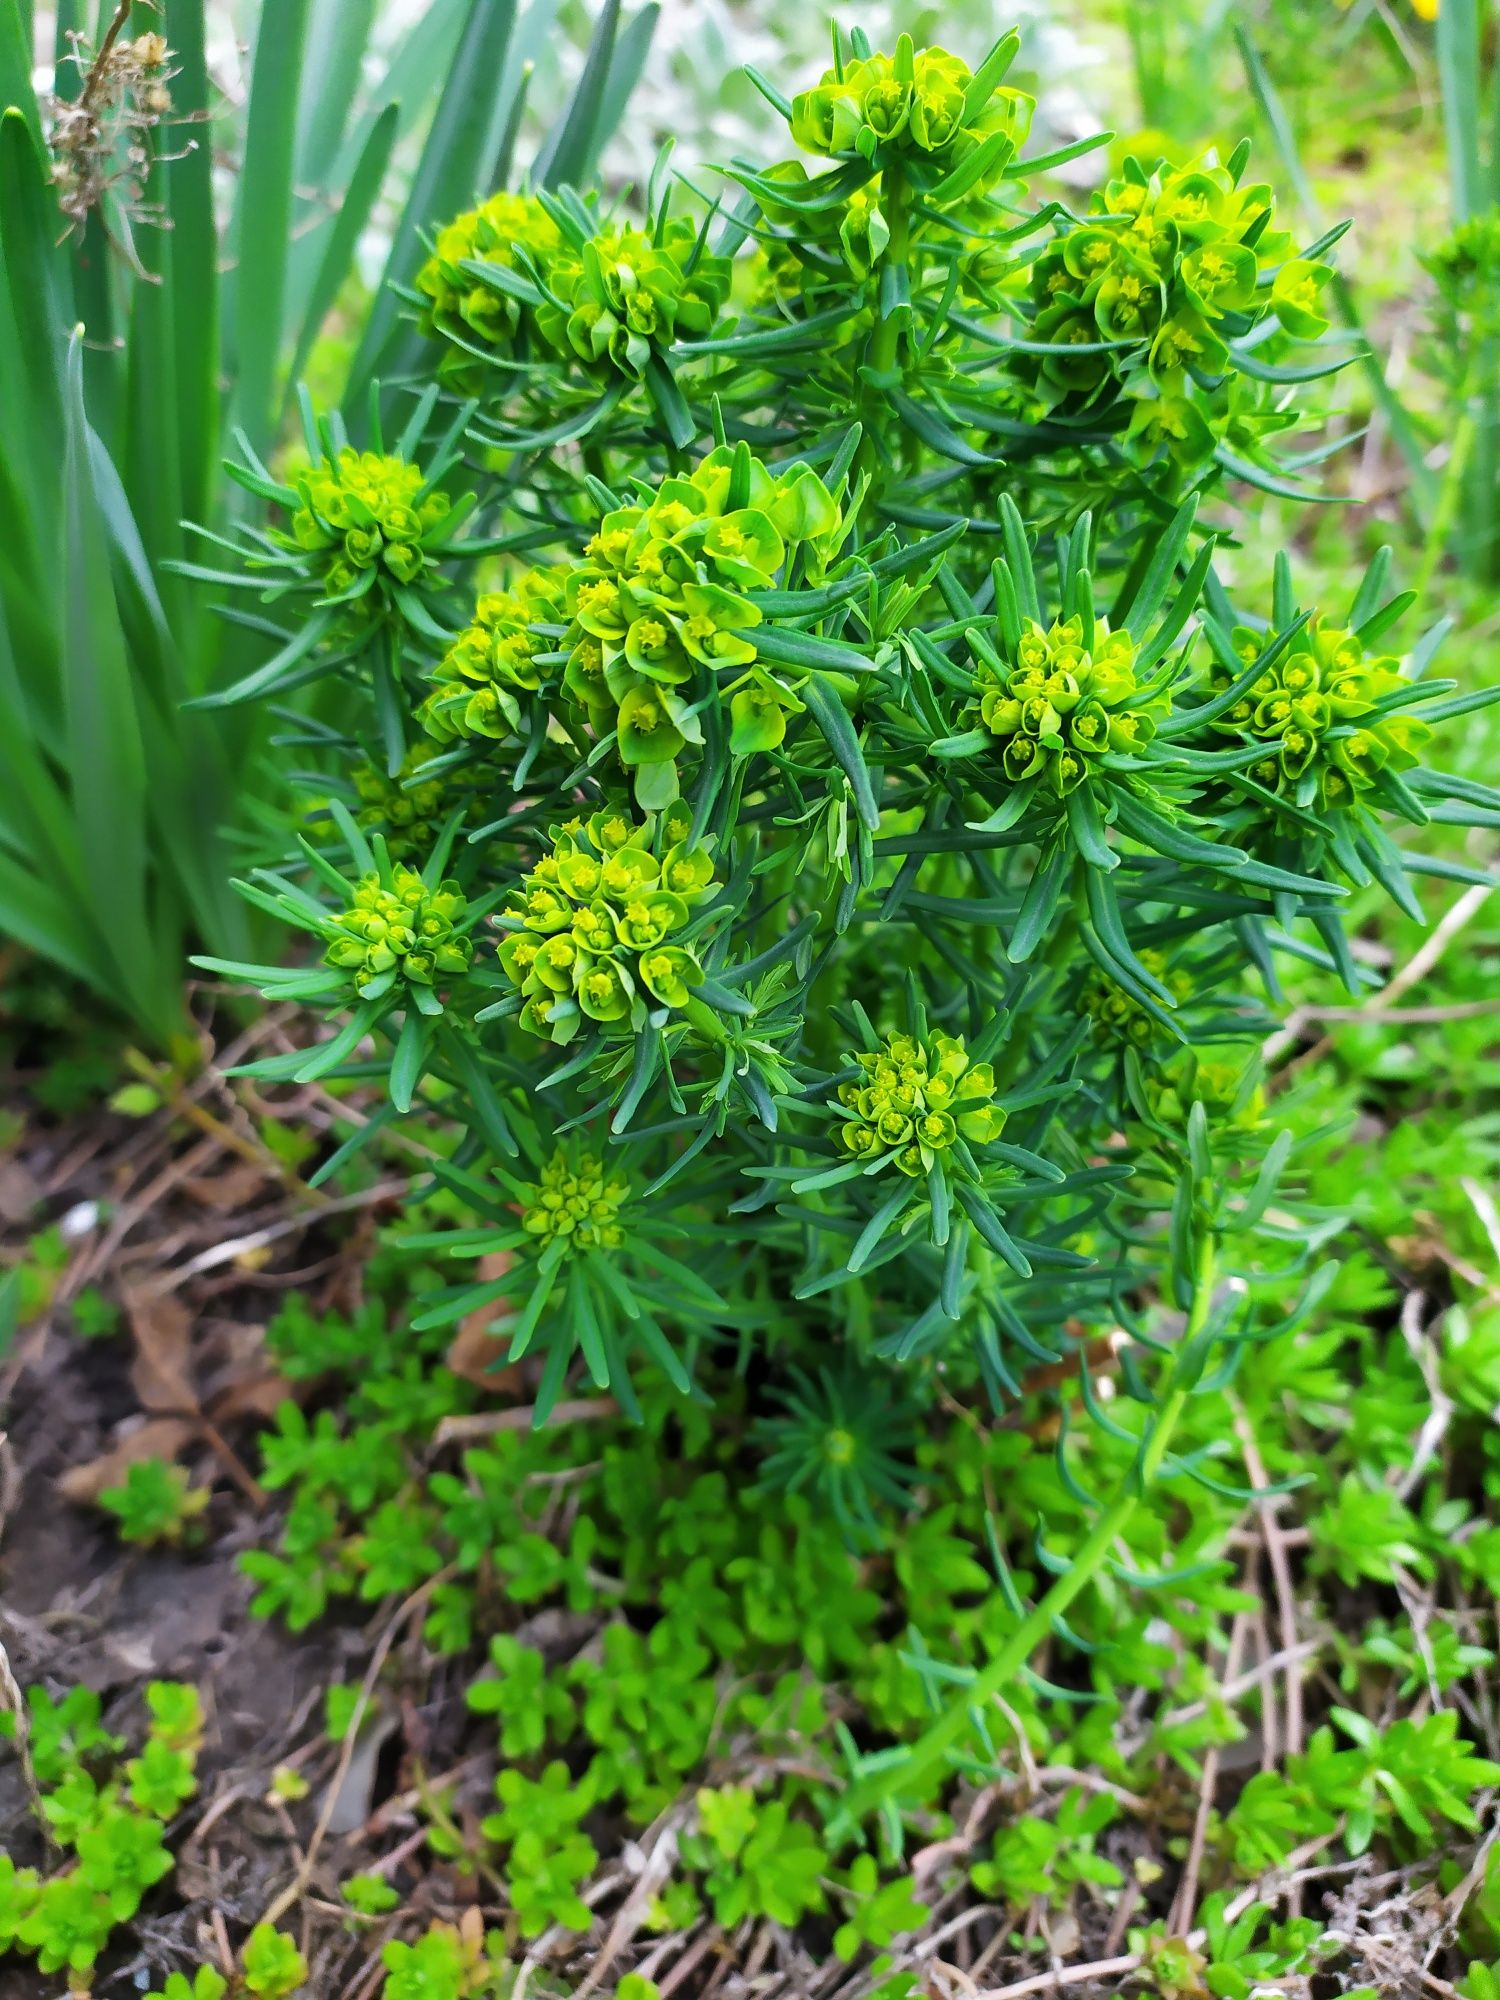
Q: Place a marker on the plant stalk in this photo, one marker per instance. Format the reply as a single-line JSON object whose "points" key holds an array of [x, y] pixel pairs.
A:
{"points": [[885, 347], [867, 1794]]}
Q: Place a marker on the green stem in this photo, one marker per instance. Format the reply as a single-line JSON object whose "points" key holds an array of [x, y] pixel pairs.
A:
{"points": [[893, 201], [1450, 492], [885, 347], [1055, 954], [869, 1793]]}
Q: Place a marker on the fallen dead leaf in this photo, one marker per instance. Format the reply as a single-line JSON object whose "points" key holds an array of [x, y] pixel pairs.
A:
{"points": [[20, 1192], [476, 1354], [350, 1806], [157, 1437], [259, 1395], [231, 1191], [162, 1373]]}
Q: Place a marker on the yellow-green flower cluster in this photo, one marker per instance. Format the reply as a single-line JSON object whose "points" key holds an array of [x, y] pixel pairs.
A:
{"points": [[659, 603], [1315, 710], [618, 296], [918, 105], [458, 307], [915, 1099], [400, 929], [1064, 701], [1119, 1018], [409, 811], [1227, 1088], [577, 1202], [608, 294], [1466, 269], [595, 930], [1170, 265], [483, 680], [365, 520]]}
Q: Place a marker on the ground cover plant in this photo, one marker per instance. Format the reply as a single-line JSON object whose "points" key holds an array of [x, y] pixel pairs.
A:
{"points": [[810, 817]]}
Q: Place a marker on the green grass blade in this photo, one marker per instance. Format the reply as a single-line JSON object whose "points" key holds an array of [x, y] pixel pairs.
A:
{"points": [[106, 760], [263, 220], [336, 39], [571, 144], [15, 67], [337, 35], [416, 71], [28, 264], [1460, 67], [194, 279], [338, 255], [534, 30], [43, 834], [1402, 429], [446, 181], [67, 77], [152, 460], [30, 913], [26, 597], [629, 60]]}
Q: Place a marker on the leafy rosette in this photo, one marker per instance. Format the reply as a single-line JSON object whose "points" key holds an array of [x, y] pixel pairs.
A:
{"points": [[587, 1269], [914, 1100], [1143, 307], [600, 930], [398, 947], [923, 108], [398, 928], [912, 1162], [1118, 1020], [615, 295], [1329, 713], [803, 235], [410, 808], [528, 279], [1312, 734], [494, 678], [1066, 697], [1063, 712], [1079, 740], [370, 525], [661, 610], [359, 567], [477, 319]]}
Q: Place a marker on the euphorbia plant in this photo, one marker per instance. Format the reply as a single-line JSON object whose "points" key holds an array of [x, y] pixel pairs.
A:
{"points": [[812, 816]]}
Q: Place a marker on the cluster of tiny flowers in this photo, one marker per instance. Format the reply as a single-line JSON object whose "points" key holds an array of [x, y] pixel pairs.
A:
{"points": [[408, 811], [595, 931], [1062, 703], [575, 1201], [620, 295], [1169, 265], [660, 597], [1319, 712], [915, 1099], [611, 294], [364, 518], [1121, 1020], [1223, 1086], [456, 305], [916, 106], [1466, 269], [400, 930], [483, 681]]}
